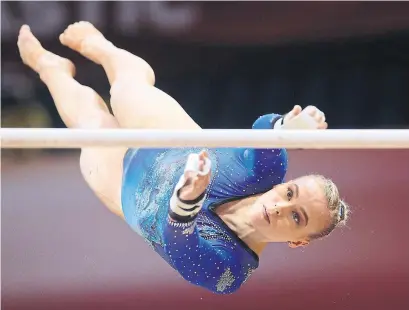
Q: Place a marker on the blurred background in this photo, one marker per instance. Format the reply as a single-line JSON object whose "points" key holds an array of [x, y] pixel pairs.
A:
{"points": [[226, 63]]}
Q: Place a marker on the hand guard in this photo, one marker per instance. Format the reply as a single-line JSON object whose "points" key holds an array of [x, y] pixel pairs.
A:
{"points": [[301, 121], [182, 210]]}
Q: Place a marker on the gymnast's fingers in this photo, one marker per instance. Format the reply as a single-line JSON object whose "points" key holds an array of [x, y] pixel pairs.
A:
{"points": [[320, 117], [323, 125], [311, 110], [294, 112], [203, 154], [202, 160], [297, 109]]}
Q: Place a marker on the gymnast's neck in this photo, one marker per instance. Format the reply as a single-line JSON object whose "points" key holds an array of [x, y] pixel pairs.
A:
{"points": [[235, 214]]}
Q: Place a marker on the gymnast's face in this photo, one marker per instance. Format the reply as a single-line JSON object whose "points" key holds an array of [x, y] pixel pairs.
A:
{"points": [[290, 212]]}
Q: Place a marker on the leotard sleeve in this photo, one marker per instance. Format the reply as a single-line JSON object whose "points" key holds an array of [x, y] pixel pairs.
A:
{"points": [[267, 121], [269, 161], [211, 264]]}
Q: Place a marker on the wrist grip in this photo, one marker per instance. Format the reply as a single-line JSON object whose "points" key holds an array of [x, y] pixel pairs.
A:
{"points": [[181, 210]]}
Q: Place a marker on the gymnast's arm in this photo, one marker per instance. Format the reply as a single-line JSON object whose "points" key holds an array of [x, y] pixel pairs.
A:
{"points": [[264, 161], [205, 263], [198, 261]]}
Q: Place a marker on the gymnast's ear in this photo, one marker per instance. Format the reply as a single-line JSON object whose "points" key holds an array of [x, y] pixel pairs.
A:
{"points": [[296, 244]]}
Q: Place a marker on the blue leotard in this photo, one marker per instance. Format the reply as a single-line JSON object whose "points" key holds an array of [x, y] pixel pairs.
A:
{"points": [[204, 251]]}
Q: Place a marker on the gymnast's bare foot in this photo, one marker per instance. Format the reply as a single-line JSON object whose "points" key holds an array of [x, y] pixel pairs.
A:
{"points": [[87, 40], [37, 58]]}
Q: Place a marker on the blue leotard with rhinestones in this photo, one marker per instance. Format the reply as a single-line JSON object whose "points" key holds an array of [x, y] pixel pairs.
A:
{"points": [[205, 251]]}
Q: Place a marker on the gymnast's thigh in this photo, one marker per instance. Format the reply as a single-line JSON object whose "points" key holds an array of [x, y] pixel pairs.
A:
{"points": [[102, 169], [137, 105]]}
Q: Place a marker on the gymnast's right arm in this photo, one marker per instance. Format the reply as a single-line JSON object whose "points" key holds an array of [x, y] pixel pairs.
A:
{"points": [[200, 262]]}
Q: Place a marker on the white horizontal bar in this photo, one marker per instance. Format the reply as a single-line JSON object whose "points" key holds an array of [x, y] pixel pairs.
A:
{"points": [[142, 138]]}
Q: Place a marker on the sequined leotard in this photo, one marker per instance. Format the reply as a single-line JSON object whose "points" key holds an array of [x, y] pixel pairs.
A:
{"points": [[204, 251]]}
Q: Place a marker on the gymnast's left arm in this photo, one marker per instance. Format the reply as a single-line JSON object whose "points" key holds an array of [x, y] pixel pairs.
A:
{"points": [[205, 263]]}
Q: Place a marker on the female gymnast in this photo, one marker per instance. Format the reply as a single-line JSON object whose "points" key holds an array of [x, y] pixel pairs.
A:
{"points": [[208, 213]]}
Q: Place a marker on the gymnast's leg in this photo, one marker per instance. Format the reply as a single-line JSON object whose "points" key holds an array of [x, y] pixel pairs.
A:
{"points": [[79, 107], [136, 103]]}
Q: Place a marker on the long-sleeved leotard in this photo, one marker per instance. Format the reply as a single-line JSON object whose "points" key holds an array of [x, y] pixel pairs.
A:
{"points": [[203, 249]]}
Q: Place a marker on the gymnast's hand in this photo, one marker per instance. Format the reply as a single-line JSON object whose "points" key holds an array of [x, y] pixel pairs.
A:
{"points": [[309, 118], [197, 176]]}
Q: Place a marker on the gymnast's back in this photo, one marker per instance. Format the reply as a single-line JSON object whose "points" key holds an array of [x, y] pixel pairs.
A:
{"points": [[204, 251]]}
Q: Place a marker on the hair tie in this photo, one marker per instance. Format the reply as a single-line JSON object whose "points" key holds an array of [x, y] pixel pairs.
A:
{"points": [[341, 211]]}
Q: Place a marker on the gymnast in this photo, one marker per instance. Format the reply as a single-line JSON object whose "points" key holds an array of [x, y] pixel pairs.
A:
{"points": [[209, 213]]}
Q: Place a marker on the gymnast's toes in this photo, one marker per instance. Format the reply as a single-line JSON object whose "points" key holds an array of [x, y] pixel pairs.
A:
{"points": [[36, 57], [29, 47], [75, 35]]}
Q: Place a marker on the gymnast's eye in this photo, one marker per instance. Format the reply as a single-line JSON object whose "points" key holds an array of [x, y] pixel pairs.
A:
{"points": [[290, 194], [296, 217]]}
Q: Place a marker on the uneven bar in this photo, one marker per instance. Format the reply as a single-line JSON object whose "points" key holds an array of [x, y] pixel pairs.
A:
{"points": [[144, 138]]}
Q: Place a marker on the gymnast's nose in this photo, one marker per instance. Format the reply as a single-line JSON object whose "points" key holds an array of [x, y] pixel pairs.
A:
{"points": [[279, 211]]}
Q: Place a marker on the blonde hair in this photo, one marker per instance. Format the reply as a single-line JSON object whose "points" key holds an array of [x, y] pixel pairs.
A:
{"points": [[339, 209]]}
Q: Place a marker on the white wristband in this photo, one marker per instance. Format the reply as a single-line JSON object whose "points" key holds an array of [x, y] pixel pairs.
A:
{"points": [[278, 124]]}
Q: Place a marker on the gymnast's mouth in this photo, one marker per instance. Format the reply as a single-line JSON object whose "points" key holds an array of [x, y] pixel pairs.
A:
{"points": [[266, 214]]}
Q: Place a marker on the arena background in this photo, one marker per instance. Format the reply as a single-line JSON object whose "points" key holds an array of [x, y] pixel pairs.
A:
{"points": [[226, 63]]}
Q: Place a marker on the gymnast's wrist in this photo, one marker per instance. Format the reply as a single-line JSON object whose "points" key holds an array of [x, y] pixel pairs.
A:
{"points": [[190, 201], [278, 124], [184, 210]]}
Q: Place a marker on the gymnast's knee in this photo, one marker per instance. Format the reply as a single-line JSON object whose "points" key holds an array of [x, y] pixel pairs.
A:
{"points": [[127, 90], [140, 70], [134, 71]]}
